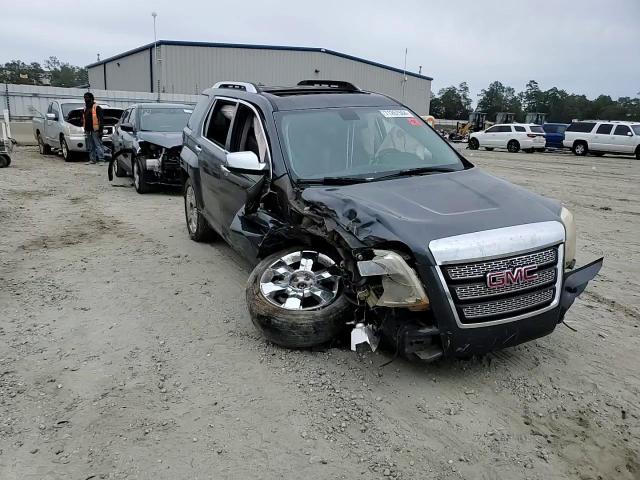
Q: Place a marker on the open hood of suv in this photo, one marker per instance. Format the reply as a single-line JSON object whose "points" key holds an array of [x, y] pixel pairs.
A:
{"points": [[418, 209], [162, 139]]}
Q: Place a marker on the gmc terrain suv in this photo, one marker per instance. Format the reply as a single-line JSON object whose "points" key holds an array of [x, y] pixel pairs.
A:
{"points": [[360, 216]]}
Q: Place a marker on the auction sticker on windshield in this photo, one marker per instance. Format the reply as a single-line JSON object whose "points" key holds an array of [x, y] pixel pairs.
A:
{"points": [[396, 113]]}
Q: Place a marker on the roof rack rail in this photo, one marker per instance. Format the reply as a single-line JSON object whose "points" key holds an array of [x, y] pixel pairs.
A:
{"points": [[246, 86], [337, 84]]}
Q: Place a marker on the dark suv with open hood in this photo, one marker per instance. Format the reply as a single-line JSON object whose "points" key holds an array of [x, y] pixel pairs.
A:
{"points": [[147, 142], [359, 216]]}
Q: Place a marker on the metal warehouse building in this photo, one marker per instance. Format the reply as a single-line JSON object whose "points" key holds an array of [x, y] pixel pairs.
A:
{"points": [[190, 67]]}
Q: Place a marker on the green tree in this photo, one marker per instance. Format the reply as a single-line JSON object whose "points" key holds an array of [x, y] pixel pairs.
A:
{"points": [[452, 102], [499, 98], [65, 75], [16, 71]]}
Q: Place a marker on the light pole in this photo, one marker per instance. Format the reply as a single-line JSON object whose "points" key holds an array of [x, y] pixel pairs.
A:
{"points": [[155, 53]]}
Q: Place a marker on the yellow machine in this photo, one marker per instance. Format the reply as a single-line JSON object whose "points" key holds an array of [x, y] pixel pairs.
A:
{"points": [[476, 123]]}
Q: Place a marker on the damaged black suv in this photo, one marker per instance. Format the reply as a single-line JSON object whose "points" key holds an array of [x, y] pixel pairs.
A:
{"points": [[360, 216]]}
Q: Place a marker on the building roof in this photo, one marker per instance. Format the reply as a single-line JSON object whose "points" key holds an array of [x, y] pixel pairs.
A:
{"points": [[257, 47]]}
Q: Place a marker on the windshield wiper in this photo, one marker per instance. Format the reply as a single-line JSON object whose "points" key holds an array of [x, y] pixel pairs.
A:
{"points": [[415, 171], [334, 180]]}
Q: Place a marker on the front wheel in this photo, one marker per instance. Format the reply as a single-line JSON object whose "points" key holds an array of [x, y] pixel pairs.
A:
{"points": [[118, 171], [199, 229], [474, 144], [513, 146], [139, 181], [295, 300], [66, 154], [5, 160]]}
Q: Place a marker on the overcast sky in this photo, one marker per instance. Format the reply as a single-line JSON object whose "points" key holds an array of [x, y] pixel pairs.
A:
{"points": [[583, 46]]}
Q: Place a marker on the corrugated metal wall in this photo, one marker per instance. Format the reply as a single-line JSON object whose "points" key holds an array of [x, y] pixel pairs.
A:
{"points": [[22, 100], [191, 69]]}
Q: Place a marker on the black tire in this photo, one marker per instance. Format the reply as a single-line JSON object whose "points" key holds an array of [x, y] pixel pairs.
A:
{"points": [[489, 149], [118, 171], [529, 150], [474, 144], [43, 148], [580, 148], [64, 148], [5, 160], [139, 182], [199, 230], [513, 146], [638, 153], [294, 328]]}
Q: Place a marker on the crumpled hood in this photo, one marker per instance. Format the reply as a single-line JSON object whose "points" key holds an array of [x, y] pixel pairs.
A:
{"points": [[162, 139], [416, 210]]}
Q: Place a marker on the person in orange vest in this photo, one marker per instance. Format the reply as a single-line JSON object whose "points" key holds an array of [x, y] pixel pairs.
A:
{"points": [[92, 122]]}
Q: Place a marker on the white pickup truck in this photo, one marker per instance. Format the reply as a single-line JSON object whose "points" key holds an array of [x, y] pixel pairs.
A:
{"points": [[61, 128]]}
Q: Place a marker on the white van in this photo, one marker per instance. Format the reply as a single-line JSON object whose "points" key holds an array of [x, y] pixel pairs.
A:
{"points": [[599, 137]]}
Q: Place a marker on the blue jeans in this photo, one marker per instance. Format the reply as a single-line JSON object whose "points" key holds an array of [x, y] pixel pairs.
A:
{"points": [[94, 146]]}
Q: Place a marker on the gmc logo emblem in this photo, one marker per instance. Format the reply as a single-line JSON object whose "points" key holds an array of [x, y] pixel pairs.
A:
{"points": [[504, 278]]}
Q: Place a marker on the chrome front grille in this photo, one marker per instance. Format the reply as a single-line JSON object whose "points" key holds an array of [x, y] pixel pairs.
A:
{"points": [[508, 305], [480, 290], [475, 302], [479, 270]]}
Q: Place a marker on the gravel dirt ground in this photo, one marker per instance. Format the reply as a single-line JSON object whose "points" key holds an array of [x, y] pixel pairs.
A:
{"points": [[126, 351]]}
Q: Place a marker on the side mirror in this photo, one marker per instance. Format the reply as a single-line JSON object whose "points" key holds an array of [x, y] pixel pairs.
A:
{"points": [[126, 127], [245, 162], [52, 116], [629, 134]]}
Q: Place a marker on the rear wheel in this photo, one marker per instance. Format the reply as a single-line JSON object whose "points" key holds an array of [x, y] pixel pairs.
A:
{"points": [[474, 144], [5, 160], [638, 153], [199, 229], [43, 148], [295, 300], [580, 149], [513, 146], [118, 171]]}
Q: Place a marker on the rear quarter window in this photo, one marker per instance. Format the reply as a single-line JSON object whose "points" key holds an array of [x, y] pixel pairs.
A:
{"points": [[519, 129], [198, 111], [581, 127], [536, 129]]}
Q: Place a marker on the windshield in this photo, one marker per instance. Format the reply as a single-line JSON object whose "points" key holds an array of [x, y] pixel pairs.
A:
{"points": [[68, 107], [636, 129], [363, 142], [164, 119]]}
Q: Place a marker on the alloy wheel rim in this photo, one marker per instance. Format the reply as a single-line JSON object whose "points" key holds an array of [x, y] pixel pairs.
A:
{"points": [[580, 148], [40, 144], [302, 280], [65, 149], [192, 209]]}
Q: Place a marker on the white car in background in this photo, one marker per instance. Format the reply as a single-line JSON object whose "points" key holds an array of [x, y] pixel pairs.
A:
{"points": [[512, 136], [599, 137]]}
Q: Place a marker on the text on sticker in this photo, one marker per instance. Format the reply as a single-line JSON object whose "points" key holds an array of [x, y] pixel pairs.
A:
{"points": [[396, 113]]}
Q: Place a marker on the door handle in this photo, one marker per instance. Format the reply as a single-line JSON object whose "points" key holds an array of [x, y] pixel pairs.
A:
{"points": [[225, 170], [197, 148]]}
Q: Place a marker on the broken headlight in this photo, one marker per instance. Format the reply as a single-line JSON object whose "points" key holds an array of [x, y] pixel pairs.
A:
{"points": [[570, 240], [401, 286]]}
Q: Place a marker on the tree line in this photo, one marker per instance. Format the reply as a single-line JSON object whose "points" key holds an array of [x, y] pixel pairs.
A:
{"points": [[455, 103], [52, 72]]}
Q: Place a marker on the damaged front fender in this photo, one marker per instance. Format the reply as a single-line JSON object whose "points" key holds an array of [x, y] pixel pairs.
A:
{"points": [[575, 283]]}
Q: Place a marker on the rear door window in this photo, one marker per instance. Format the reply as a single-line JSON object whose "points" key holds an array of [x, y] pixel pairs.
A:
{"points": [[503, 129], [519, 129], [622, 130], [219, 122], [581, 127], [604, 129]]}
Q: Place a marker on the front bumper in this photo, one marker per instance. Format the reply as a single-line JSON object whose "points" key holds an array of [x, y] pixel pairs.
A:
{"points": [[78, 142], [462, 342]]}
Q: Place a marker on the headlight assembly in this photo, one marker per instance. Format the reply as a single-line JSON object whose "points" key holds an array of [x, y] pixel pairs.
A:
{"points": [[400, 283], [570, 242]]}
